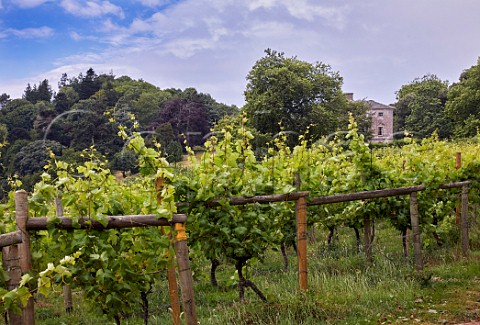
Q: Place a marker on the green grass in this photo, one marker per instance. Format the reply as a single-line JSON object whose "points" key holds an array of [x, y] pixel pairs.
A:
{"points": [[343, 289]]}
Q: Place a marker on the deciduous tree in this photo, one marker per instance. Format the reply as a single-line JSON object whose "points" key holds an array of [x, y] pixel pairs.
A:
{"points": [[294, 93], [463, 104], [420, 107]]}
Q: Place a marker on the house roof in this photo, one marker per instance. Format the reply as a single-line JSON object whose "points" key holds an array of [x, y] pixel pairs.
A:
{"points": [[376, 105]]}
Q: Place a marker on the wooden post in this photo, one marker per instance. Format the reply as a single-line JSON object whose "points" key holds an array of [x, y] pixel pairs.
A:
{"points": [[67, 289], [171, 275], [458, 165], [11, 264], [301, 212], [417, 246], [367, 237], [173, 287], [185, 274], [21, 215], [464, 223]]}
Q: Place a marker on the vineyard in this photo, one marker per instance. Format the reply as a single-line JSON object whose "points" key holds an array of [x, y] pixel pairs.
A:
{"points": [[240, 206]]}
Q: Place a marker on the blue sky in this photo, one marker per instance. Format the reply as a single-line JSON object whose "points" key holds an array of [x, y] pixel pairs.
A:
{"points": [[376, 45]]}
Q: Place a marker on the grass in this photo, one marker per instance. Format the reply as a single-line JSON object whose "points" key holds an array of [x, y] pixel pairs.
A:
{"points": [[343, 289]]}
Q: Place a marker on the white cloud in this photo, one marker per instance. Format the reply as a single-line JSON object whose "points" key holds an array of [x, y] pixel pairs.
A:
{"points": [[41, 32], [255, 4], [154, 3], [302, 9], [28, 3], [91, 8]]}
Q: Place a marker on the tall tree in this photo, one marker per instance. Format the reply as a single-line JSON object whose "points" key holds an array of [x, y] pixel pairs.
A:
{"points": [[41, 93], [463, 104], [4, 98], [420, 107], [291, 92], [89, 84]]}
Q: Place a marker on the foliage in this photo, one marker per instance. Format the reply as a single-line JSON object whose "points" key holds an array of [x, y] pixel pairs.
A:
{"points": [[112, 267], [463, 105], [420, 107], [294, 93], [41, 93]]}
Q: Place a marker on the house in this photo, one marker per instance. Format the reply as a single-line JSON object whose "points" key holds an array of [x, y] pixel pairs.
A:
{"points": [[382, 120]]}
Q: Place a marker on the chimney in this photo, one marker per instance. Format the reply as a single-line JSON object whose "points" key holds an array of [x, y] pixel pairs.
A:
{"points": [[349, 96]]}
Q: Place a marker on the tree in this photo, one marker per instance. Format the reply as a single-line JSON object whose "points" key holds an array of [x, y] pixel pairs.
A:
{"points": [[186, 118], [463, 104], [292, 92], [88, 85], [34, 156], [18, 115], [215, 111], [421, 107], [4, 98], [3, 134], [65, 99], [42, 93], [125, 161]]}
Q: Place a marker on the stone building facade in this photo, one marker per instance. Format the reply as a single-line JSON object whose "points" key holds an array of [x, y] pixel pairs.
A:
{"points": [[382, 120]]}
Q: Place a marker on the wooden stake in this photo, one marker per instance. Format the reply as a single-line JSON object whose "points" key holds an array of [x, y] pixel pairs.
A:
{"points": [[367, 237], [301, 211], [173, 287], [185, 274], [11, 264], [21, 215], [417, 246], [464, 223]]}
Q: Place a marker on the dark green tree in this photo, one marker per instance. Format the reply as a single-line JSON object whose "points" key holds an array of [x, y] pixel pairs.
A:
{"points": [[65, 99], [4, 99], [87, 85], [125, 161], [294, 93], [420, 107], [28, 163], [18, 115], [463, 104], [41, 93]]}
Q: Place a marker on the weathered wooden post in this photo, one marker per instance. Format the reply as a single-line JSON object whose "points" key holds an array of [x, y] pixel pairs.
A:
{"points": [[301, 216], [367, 237], [173, 287], [25, 259], [171, 275], [11, 264], [185, 273], [464, 221], [417, 245]]}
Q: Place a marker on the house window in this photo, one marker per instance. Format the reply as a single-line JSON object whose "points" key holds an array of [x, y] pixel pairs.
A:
{"points": [[380, 130], [380, 114]]}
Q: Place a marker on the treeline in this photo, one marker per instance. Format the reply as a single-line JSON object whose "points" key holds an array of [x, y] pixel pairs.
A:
{"points": [[87, 110], [283, 95]]}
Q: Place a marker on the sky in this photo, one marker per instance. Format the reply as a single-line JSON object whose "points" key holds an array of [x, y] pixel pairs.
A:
{"points": [[375, 45]]}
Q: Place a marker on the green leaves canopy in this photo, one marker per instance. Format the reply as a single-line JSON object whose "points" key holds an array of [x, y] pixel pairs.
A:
{"points": [[421, 107], [289, 91], [463, 104]]}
